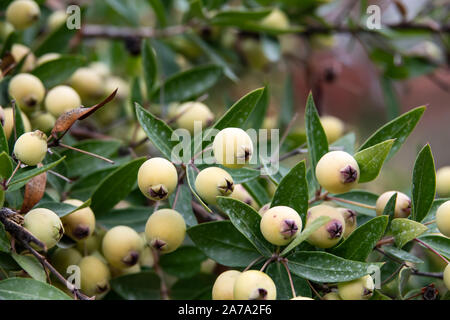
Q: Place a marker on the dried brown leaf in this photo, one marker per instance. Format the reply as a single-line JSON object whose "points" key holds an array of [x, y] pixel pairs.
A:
{"points": [[34, 191]]}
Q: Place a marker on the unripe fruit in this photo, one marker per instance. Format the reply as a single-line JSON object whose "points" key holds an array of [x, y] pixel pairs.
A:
{"points": [[31, 147], [212, 182], [359, 289], [19, 51], [61, 99], [63, 258], [94, 276], [189, 113], [280, 225], [27, 90], [264, 209], [121, 247], [233, 148], [56, 19], [302, 298], [443, 181], [45, 225], [79, 224], [100, 68], [47, 57], [331, 232], [43, 121], [6, 29], [113, 83], [87, 83], [165, 230], [157, 178], [208, 266], [92, 243], [443, 218], [277, 19], [254, 53], [254, 285], [333, 127], [22, 13], [331, 296], [223, 288], [447, 276], [350, 220], [402, 205], [9, 121], [337, 172], [240, 193]]}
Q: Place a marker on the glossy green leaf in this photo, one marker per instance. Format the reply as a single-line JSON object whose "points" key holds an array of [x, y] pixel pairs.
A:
{"points": [[126, 12], [405, 230], [256, 119], [185, 262], [20, 128], [439, 243], [389, 209], [159, 10], [198, 287], [137, 286], [133, 217], [57, 41], [6, 167], [184, 204], [401, 254], [62, 209], [3, 141], [5, 245], [371, 159], [346, 143], [54, 72], [191, 175], [31, 266], [239, 176], [403, 278], [149, 65], [257, 191], [361, 196], [280, 277], [29, 289]]}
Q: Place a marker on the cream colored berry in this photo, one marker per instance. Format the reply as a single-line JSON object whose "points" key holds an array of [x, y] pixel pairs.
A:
{"points": [[333, 127], [331, 232], [254, 285], [79, 224], [447, 276], [280, 225], [350, 220], [443, 218], [212, 182], [22, 13], [443, 182], [264, 209], [337, 172], [240, 193], [113, 83], [92, 243], [88, 83], [43, 121], [45, 225], [19, 51], [332, 296], [208, 266], [56, 19], [61, 99], [27, 90], [9, 120], [165, 230], [157, 178], [359, 289], [94, 276], [31, 147], [223, 288], [100, 68], [63, 258], [190, 113], [301, 298], [233, 147], [121, 247], [47, 57], [402, 205], [277, 19]]}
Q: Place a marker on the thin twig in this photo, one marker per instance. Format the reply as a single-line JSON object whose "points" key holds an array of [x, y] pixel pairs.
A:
{"points": [[159, 272], [268, 261], [283, 262], [12, 175], [432, 250], [174, 204], [359, 204], [60, 176], [314, 290], [253, 263], [86, 152]]}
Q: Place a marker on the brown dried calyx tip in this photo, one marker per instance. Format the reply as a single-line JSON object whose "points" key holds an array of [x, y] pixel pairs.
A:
{"points": [[159, 244], [335, 229], [367, 292], [31, 101], [131, 259], [349, 174], [350, 215], [102, 287], [226, 188], [246, 155], [159, 192], [289, 228], [259, 294], [81, 232]]}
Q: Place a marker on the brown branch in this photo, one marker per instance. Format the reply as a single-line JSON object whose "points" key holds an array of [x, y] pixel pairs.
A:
{"points": [[164, 290]]}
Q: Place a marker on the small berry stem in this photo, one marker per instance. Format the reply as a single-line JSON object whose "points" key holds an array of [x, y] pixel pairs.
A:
{"points": [[12, 175], [174, 204], [253, 263], [86, 152], [60, 176], [432, 250], [284, 262], [314, 290], [429, 222], [355, 203], [164, 290], [266, 263]]}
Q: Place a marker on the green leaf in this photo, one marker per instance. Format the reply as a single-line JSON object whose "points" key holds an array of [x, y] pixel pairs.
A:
{"points": [[398, 129], [247, 221], [256, 119], [159, 10], [124, 11], [31, 265], [115, 187], [149, 65], [20, 128], [62, 209], [232, 16], [188, 84], [389, 209], [347, 143], [19, 180], [29, 289], [185, 262], [424, 184], [377, 295], [239, 176], [439, 243], [5, 245], [361, 196], [57, 41], [184, 204], [316, 138], [280, 277], [401, 254], [405, 230], [3, 141], [325, 267], [403, 278], [316, 224], [370, 160], [191, 175], [133, 217], [361, 242], [54, 72], [159, 133], [195, 288], [223, 243], [257, 191], [293, 191], [6, 166], [137, 286]]}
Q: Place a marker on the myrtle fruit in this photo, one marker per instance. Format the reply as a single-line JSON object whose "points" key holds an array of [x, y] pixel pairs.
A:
{"points": [[443, 218], [280, 225], [62, 258], [121, 247], [240, 193], [45, 225], [31, 147], [43, 121], [447, 276], [402, 205], [232, 148], [157, 178], [113, 83], [337, 172], [223, 288], [350, 220], [56, 19], [87, 83], [254, 285], [331, 296], [331, 232], [22, 13], [264, 209], [302, 298], [92, 243], [8, 122], [359, 289], [165, 230], [443, 181], [27, 90], [19, 52], [277, 19], [208, 266], [333, 127], [94, 276], [189, 113], [47, 57], [80, 224], [61, 99], [212, 182]]}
